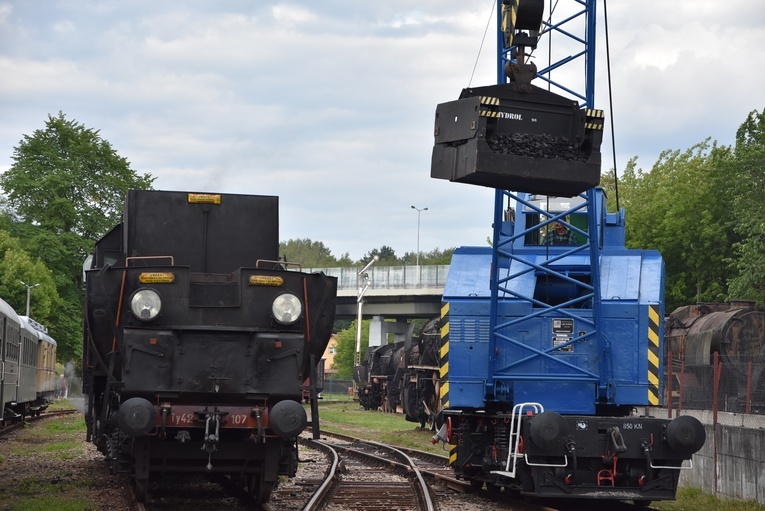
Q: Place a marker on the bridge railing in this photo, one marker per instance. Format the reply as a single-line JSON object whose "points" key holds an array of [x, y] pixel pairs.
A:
{"points": [[390, 277]]}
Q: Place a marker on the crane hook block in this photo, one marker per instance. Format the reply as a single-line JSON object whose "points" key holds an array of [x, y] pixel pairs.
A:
{"points": [[529, 140]]}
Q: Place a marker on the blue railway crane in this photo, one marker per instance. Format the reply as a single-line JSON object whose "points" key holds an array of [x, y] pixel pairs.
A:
{"points": [[518, 25], [548, 349]]}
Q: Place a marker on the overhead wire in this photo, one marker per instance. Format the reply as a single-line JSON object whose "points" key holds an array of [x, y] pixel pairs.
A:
{"points": [[611, 101], [483, 39], [550, 12]]}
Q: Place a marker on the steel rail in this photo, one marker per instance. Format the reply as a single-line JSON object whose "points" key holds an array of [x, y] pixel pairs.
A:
{"points": [[316, 500]]}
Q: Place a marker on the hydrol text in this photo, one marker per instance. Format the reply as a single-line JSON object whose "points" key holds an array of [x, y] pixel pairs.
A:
{"points": [[511, 116]]}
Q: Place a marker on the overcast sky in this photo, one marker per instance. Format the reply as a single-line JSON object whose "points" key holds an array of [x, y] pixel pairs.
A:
{"points": [[330, 104]]}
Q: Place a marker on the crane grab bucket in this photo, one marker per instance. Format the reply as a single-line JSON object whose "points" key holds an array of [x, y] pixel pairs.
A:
{"points": [[532, 141]]}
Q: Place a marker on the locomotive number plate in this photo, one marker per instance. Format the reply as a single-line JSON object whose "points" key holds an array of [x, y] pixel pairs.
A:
{"points": [[189, 416]]}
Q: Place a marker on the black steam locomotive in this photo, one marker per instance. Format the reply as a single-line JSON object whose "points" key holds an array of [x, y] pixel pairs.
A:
{"points": [[403, 377], [197, 340]]}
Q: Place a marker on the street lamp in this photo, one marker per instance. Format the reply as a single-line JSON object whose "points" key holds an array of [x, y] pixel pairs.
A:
{"points": [[29, 292], [418, 231], [364, 283]]}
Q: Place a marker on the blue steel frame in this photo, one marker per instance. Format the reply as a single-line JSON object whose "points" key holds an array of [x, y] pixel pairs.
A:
{"points": [[502, 246]]}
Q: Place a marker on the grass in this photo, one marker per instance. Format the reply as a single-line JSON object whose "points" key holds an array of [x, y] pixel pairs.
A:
{"points": [[336, 397], [64, 404], [350, 419], [695, 499], [51, 442], [46, 503], [52, 447], [34, 486], [53, 436], [61, 494]]}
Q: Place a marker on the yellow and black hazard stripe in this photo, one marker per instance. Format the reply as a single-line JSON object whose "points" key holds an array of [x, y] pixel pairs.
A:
{"points": [[491, 103], [509, 17], [594, 119], [653, 354], [444, 356], [444, 370]]}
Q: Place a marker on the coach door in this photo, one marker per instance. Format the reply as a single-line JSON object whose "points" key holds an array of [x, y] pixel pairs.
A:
{"points": [[2, 366], [10, 362]]}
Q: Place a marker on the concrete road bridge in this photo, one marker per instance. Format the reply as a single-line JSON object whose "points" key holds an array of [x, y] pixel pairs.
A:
{"points": [[397, 292]]}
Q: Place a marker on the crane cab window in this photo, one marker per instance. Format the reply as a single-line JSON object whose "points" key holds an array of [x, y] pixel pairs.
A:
{"points": [[551, 234]]}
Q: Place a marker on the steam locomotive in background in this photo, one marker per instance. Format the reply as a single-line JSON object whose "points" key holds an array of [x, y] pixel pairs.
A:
{"points": [[736, 332], [403, 377], [197, 340]]}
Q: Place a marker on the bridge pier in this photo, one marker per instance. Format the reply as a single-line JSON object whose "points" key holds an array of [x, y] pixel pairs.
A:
{"points": [[379, 330]]}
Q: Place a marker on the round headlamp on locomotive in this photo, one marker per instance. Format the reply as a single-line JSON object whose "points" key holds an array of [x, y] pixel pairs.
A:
{"points": [[286, 308], [146, 304]]}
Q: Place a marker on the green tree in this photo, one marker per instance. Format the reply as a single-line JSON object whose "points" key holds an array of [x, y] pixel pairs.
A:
{"points": [[617, 192], [346, 348], [682, 209], [66, 178], [345, 260], [65, 189], [748, 175], [311, 254], [435, 256], [386, 254], [17, 266]]}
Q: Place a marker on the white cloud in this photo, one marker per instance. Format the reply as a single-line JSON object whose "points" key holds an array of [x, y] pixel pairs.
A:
{"points": [[63, 28], [292, 15], [330, 104], [5, 11]]}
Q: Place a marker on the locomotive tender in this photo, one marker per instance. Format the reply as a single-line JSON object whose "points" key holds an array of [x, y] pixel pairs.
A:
{"points": [[197, 340]]}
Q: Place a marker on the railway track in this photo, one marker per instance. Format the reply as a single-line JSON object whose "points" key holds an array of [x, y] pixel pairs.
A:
{"points": [[376, 476], [335, 474], [344, 473], [374, 489], [366, 475], [34, 418]]}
